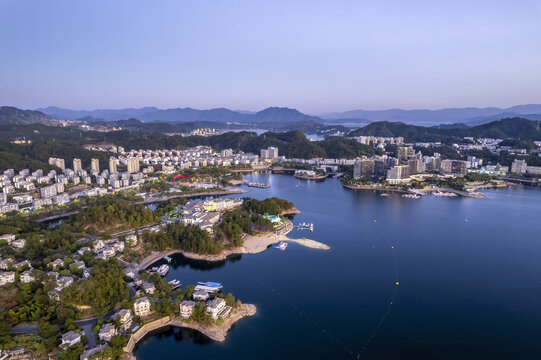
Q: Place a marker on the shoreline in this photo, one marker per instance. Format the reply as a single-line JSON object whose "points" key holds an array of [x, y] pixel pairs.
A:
{"points": [[253, 244], [422, 192], [213, 331]]}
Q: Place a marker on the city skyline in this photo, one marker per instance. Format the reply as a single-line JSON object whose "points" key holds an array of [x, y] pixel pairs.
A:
{"points": [[315, 57]]}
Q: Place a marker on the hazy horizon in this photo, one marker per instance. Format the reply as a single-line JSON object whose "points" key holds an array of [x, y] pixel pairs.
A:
{"points": [[317, 57]]}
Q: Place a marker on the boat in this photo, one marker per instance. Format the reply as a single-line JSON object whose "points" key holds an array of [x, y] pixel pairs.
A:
{"points": [[167, 258], [384, 194], [175, 283], [163, 270], [281, 246]]}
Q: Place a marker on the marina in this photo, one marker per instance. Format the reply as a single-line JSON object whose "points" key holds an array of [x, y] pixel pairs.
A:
{"points": [[305, 226], [175, 283], [361, 254]]}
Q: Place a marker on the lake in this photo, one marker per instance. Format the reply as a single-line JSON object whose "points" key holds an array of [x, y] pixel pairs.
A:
{"points": [[468, 274]]}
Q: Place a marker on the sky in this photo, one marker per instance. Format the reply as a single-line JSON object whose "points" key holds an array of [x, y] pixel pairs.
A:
{"points": [[316, 56]]}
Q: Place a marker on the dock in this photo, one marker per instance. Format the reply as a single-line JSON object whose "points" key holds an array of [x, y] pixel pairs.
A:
{"points": [[260, 186]]}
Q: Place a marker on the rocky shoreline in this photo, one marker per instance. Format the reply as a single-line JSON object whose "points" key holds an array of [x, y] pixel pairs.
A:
{"points": [[213, 331]]}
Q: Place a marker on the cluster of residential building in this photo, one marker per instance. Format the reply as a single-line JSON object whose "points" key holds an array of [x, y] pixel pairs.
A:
{"points": [[519, 166], [205, 214]]}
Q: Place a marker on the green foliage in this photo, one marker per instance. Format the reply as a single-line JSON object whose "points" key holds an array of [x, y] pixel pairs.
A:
{"points": [[72, 353], [273, 206], [102, 290], [112, 213], [200, 314], [183, 237]]}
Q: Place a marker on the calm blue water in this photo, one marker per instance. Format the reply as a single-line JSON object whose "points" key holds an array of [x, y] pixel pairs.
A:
{"points": [[466, 290]]}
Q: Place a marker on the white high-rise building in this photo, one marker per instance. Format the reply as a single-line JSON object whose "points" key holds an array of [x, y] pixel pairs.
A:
{"points": [[113, 164], [95, 165], [133, 165], [77, 165]]}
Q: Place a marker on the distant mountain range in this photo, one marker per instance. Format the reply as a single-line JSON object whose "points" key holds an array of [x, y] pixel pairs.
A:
{"points": [[152, 114], [470, 116], [516, 128], [274, 118]]}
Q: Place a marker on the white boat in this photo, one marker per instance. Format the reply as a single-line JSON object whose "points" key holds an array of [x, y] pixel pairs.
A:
{"points": [[281, 246], [163, 270]]}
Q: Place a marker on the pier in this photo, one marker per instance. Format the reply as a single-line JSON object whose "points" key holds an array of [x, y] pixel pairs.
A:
{"points": [[260, 186]]}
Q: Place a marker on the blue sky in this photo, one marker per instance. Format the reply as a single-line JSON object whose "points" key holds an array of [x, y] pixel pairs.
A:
{"points": [[316, 56]]}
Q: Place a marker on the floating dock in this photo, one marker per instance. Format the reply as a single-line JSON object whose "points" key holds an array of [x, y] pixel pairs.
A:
{"points": [[260, 186], [305, 226]]}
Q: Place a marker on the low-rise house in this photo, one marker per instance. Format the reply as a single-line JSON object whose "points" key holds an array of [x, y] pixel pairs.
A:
{"points": [[101, 256], [70, 338], [214, 306], [130, 272], [98, 245], [90, 352], [148, 287], [8, 237], [131, 240], [200, 295], [86, 273], [118, 246], [63, 282], [58, 263], [26, 276], [107, 331], [125, 318], [18, 244], [7, 277], [54, 294], [23, 264], [109, 251], [82, 250], [141, 306], [52, 275], [5, 263], [186, 308], [79, 264]]}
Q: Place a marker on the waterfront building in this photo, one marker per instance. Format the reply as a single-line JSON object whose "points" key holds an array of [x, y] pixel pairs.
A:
{"points": [[457, 167], [186, 308], [398, 174], [519, 166], [363, 168], [270, 153], [215, 307], [200, 295]]}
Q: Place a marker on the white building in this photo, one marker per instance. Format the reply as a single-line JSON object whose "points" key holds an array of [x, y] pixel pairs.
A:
{"points": [[141, 306]]}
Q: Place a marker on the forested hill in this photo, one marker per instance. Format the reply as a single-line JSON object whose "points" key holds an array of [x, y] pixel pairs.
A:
{"points": [[13, 115], [517, 128], [68, 141]]}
